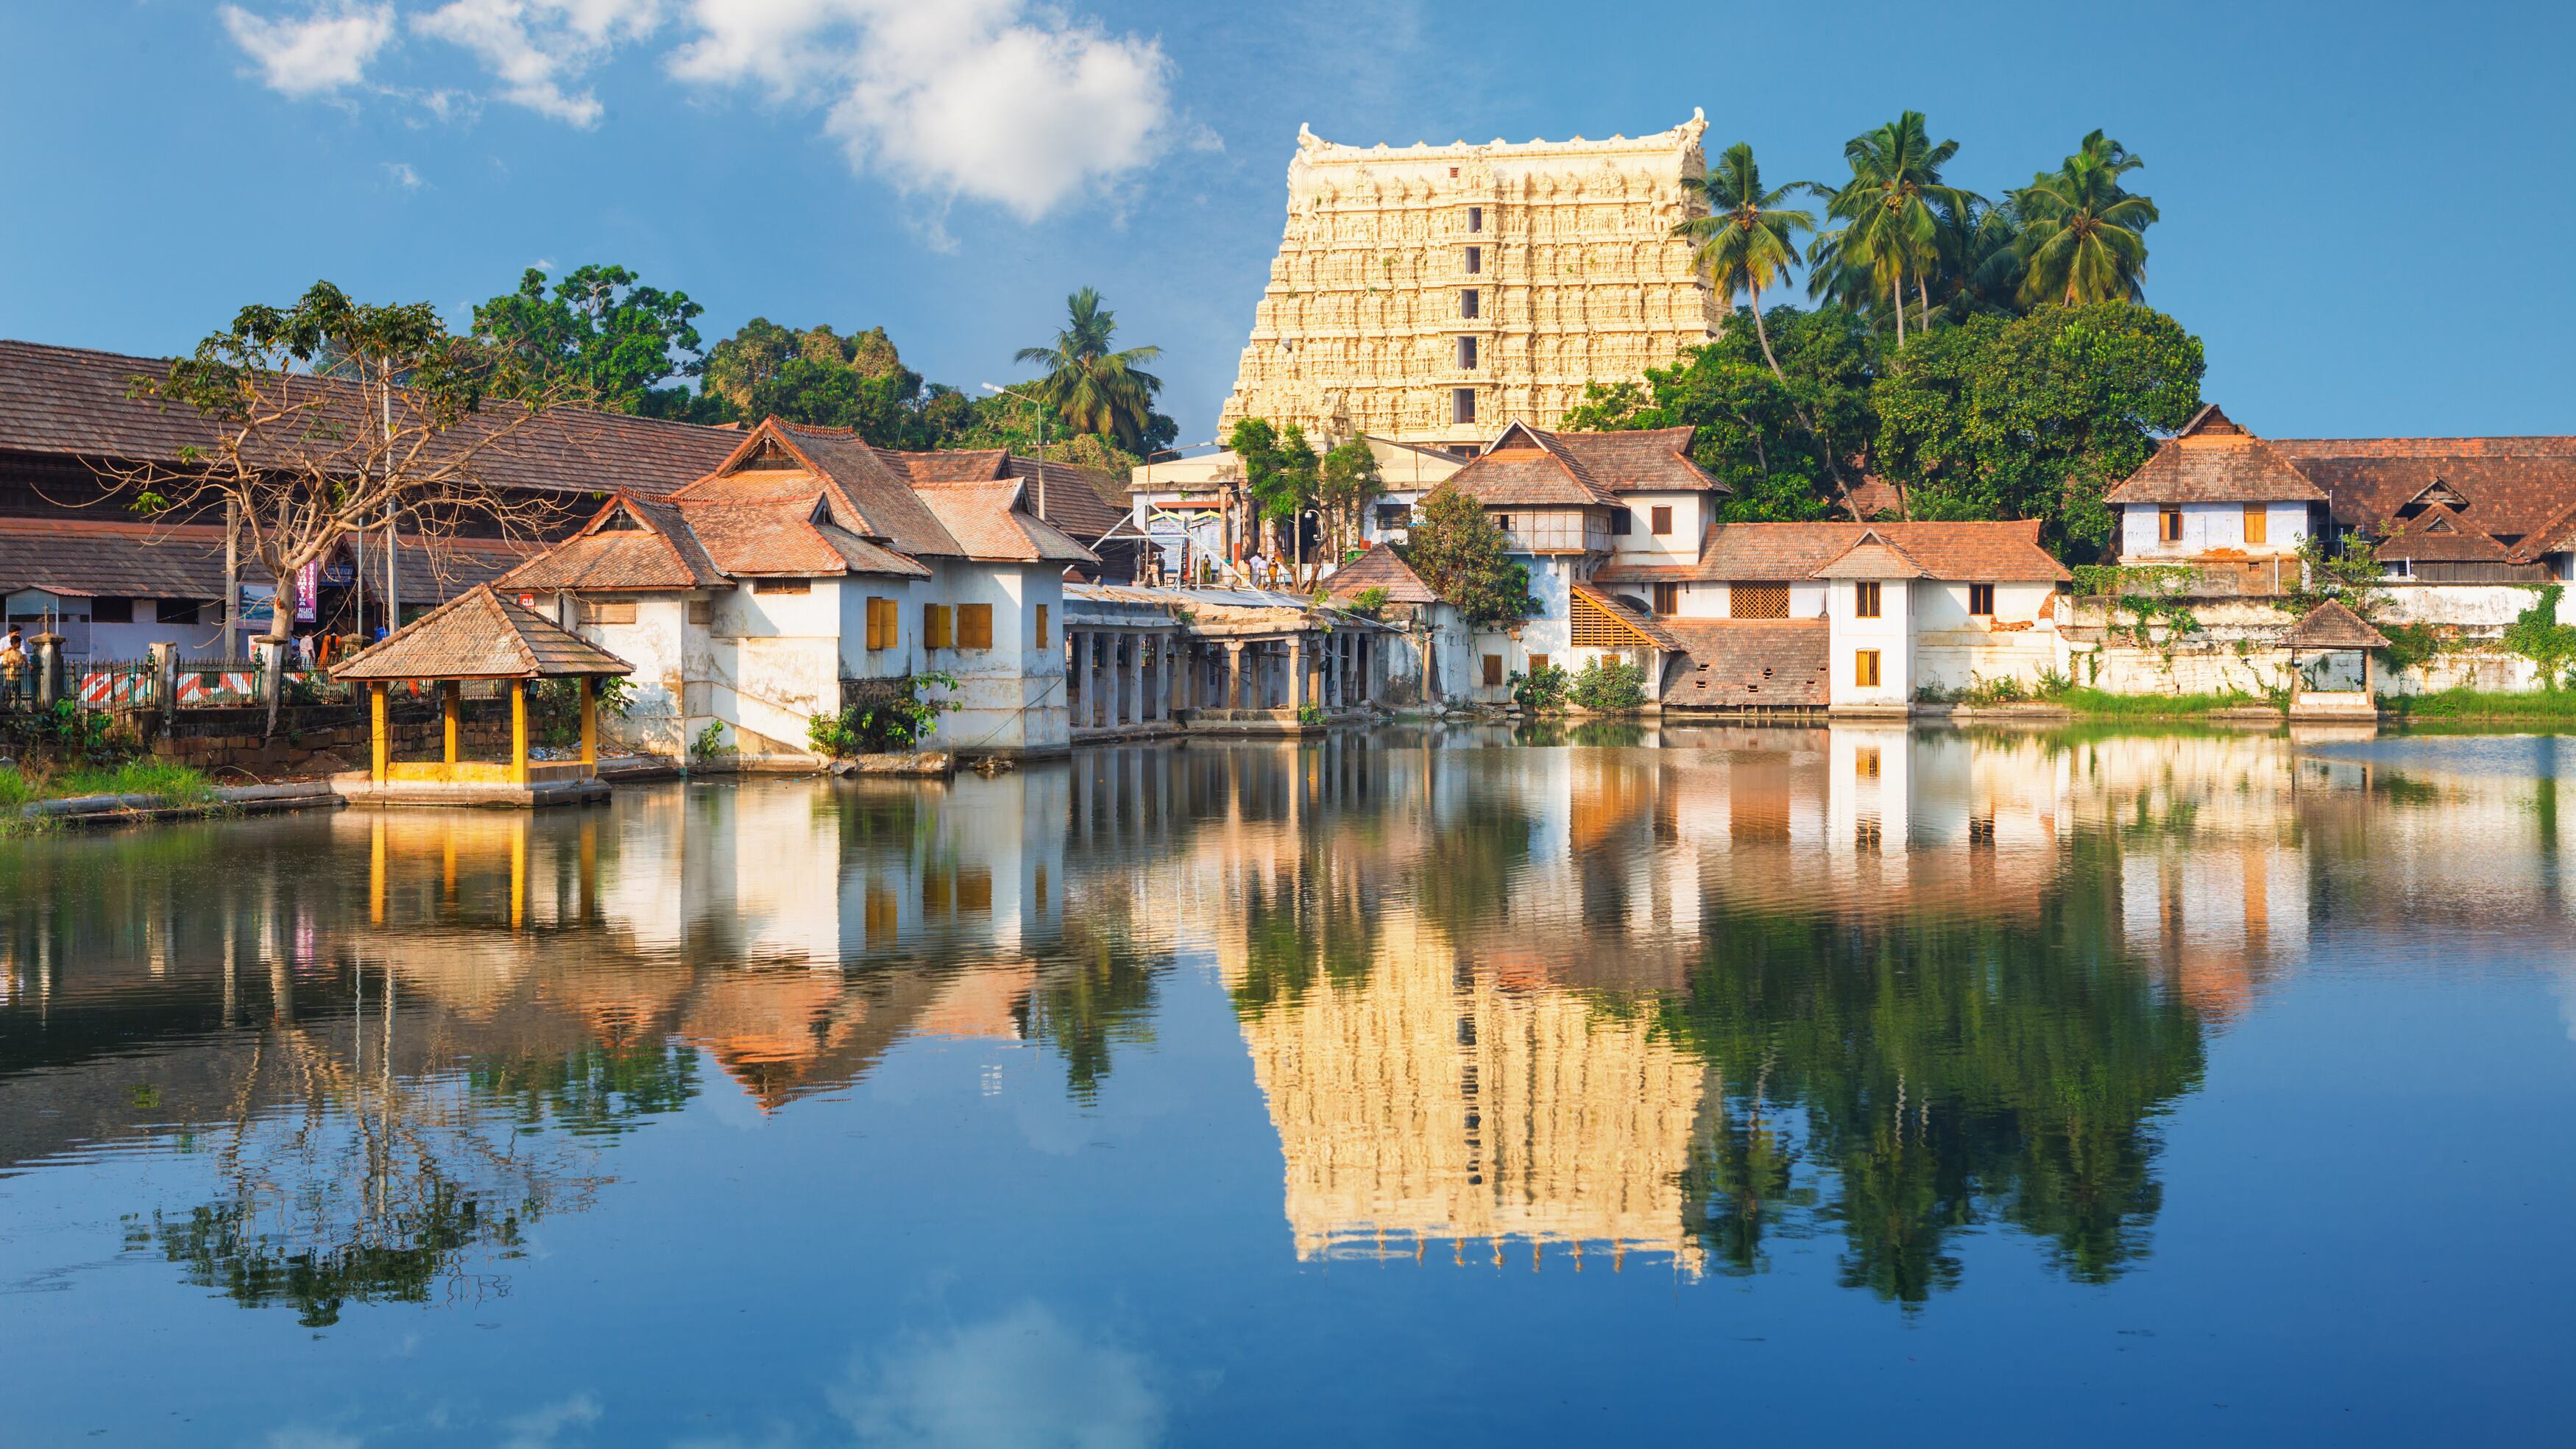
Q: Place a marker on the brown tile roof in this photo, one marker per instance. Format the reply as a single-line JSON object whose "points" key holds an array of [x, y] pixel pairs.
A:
{"points": [[2216, 467], [1079, 502], [1641, 620], [987, 523], [1751, 664], [656, 550], [1379, 568], [2440, 534], [1645, 460], [880, 501], [1873, 557], [71, 400], [748, 540], [1521, 477], [480, 635], [99, 557], [1783, 552], [2521, 489], [1876, 496], [2332, 626]]}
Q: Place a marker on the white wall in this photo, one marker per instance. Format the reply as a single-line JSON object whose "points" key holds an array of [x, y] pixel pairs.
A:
{"points": [[1011, 697], [1891, 634], [1704, 600], [1640, 545], [2207, 527]]}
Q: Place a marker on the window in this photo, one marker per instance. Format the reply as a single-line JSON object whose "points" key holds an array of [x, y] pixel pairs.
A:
{"points": [[1466, 354], [1865, 762], [2169, 525], [1041, 636], [1475, 260], [1467, 303], [882, 625], [1537, 663], [1393, 515], [1462, 405], [1668, 598], [1621, 521], [103, 610], [1865, 668], [1757, 601], [702, 611], [1864, 601], [603, 612], [974, 626], [1453, 173], [1493, 671], [2258, 523], [1981, 600], [1503, 524], [1662, 521], [934, 626], [1475, 218], [782, 586]]}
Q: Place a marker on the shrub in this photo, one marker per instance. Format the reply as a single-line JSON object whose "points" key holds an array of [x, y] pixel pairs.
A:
{"points": [[2537, 635], [895, 719], [1608, 685], [1541, 688], [554, 707]]}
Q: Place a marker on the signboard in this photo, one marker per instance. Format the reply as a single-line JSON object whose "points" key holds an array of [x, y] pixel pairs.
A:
{"points": [[527, 601], [308, 592]]}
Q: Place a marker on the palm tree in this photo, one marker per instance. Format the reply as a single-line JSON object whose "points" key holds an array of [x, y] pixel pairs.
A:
{"points": [[1888, 214], [1744, 241], [1092, 388], [2080, 237], [1980, 259]]}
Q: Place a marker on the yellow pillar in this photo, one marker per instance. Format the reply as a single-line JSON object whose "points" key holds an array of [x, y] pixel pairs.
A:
{"points": [[376, 872], [451, 709], [381, 757], [589, 725], [518, 732], [519, 871]]}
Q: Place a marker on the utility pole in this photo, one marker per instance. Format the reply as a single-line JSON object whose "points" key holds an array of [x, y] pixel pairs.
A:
{"points": [[1041, 407]]}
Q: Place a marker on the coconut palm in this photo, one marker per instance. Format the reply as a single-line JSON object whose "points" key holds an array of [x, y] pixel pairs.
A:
{"points": [[1745, 241], [2080, 236], [1890, 224], [1092, 388]]}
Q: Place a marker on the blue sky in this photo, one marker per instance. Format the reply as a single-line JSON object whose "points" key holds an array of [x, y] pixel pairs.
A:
{"points": [[2361, 217]]}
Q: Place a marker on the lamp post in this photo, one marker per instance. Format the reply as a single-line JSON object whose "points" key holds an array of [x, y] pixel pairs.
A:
{"points": [[1041, 407]]}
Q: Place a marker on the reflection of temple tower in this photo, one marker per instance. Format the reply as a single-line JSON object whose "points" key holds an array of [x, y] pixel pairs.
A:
{"points": [[1435, 293], [1425, 1102]]}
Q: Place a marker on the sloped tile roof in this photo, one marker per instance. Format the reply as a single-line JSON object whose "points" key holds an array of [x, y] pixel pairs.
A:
{"points": [[480, 635], [71, 400], [100, 557], [1750, 664], [1785, 552], [2332, 626], [2216, 467], [1379, 568], [1527, 477], [881, 498], [2441, 534], [864, 557], [2512, 487], [662, 553], [985, 522], [1642, 621], [1645, 460], [1873, 557]]}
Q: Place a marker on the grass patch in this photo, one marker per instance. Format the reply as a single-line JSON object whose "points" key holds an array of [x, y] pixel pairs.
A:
{"points": [[166, 781], [2558, 705], [2103, 704]]}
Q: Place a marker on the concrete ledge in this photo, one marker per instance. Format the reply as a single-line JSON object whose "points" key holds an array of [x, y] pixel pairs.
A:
{"points": [[241, 800], [908, 764], [491, 797], [1143, 730]]}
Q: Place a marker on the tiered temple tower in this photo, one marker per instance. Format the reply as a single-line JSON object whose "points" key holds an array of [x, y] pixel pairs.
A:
{"points": [[1433, 294]]}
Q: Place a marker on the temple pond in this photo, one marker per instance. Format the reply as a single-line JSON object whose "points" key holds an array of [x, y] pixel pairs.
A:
{"points": [[1425, 1086]]}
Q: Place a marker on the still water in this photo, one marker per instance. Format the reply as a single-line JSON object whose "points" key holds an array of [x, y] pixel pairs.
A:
{"points": [[1736, 1084]]}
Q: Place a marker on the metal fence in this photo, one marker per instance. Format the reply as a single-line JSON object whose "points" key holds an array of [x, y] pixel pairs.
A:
{"points": [[121, 685]]}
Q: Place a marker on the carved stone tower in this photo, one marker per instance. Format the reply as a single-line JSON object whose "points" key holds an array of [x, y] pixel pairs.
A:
{"points": [[1433, 294]]}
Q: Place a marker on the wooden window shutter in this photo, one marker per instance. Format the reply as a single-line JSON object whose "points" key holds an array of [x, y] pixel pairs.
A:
{"points": [[934, 626], [1865, 668], [1493, 671], [2169, 524], [1865, 601], [1041, 640], [1537, 663], [1757, 601], [974, 626], [1663, 520], [2258, 523]]}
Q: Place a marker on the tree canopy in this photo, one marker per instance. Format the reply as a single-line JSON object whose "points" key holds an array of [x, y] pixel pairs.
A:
{"points": [[620, 346], [1460, 554], [1095, 389]]}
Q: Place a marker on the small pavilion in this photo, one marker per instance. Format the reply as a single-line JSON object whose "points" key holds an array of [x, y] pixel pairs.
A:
{"points": [[2330, 651], [480, 635]]}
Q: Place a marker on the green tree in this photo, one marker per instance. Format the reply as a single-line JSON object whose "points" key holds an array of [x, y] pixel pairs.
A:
{"points": [[1890, 225], [1095, 389], [2081, 232], [1460, 554], [2034, 417], [1281, 474], [1350, 481], [1746, 241], [616, 340]]}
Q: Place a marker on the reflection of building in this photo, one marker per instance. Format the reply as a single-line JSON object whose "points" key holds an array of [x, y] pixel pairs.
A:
{"points": [[1426, 1101]]}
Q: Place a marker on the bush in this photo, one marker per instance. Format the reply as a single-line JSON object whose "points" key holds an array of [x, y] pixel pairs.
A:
{"points": [[554, 707], [895, 719], [1541, 688], [1609, 685]]}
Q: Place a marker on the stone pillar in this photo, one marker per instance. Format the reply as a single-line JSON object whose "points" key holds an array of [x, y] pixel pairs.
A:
{"points": [[1234, 674], [1075, 700], [1093, 681], [1296, 671], [1131, 681], [49, 668], [165, 677]]}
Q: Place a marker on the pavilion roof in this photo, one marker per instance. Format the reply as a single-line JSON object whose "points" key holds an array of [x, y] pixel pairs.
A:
{"points": [[2332, 626], [480, 635]]}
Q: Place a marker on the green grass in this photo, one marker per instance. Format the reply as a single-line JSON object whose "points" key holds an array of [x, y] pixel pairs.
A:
{"points": [[2553, 705], [2152, 706], [166, 781]]}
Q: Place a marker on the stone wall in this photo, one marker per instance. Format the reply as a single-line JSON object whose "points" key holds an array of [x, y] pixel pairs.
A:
{"points": [[233, 739]]}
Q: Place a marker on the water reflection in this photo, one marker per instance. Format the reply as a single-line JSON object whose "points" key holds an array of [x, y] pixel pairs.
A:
{"points": [[1671, 995]]}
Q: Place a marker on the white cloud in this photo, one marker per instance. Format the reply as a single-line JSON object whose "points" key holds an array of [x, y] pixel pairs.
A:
{"points": [[540, 50], [538, 1428], [999, 100], [1023, 1378], [325, 50], [401, 174]]}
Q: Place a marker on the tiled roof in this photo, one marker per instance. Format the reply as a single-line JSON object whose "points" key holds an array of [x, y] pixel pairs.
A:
{"points": [[2520, 489], [1526, 477], [1873, 557], [1783, 552], [776, 540], [1645, 460], [186, 561], [2440, 534], [1077, 499], [883, 498], [1875, 496], [1751, 664], [2216, 467], [1643, 621], [658, 551], [480, 635], [2332, 626], [1379, 568], [71, 400], [985, 522]]}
